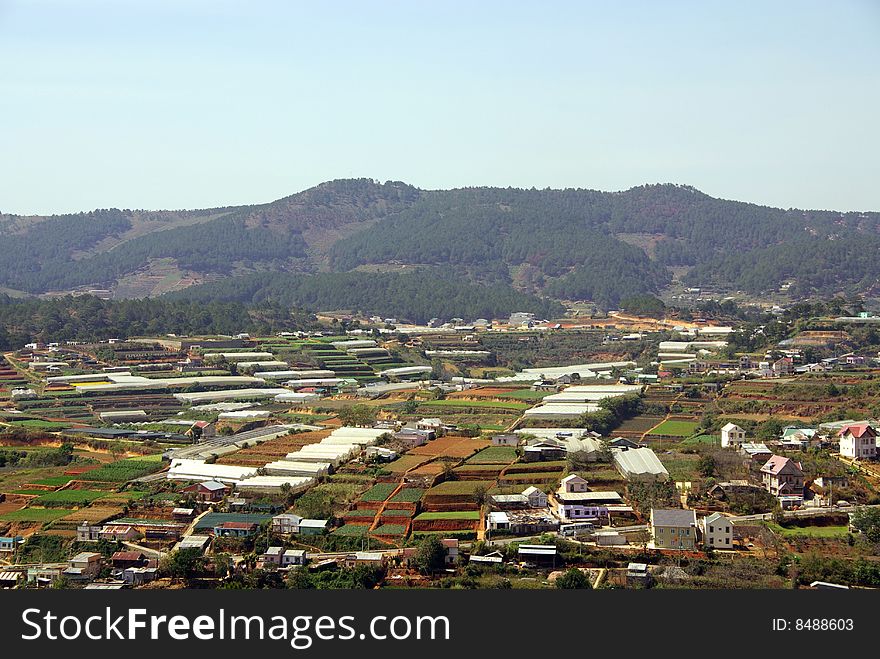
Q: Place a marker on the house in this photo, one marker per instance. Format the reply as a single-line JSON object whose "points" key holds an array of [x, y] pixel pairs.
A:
{"points": [[10, 543], [543, 451], [623, 443], [235, 529], [313, 526], [85, 565], [725, 489], [755, 451], [782, 367], [373, 558], [579, 512], [286, 524], [783, 476], [138, 576], [535, 497], [507, 439], [637, 574], [85, 532], [409, 438], [492, 558], [126, 559], [497, 521], [207, 491], [858, 441], [717, 530], [279, 557], [572, 483], [543, 554], [450, 545], [118, 533], [182, 514], [673, 529], [432, 424], [732, 435], [797, 439]]}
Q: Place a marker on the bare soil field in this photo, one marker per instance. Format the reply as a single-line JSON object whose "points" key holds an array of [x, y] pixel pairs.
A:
{"points": [[451, 447]]}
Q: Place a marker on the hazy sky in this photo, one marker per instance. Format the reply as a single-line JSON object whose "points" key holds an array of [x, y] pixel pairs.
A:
{"points": [[187, 104]]}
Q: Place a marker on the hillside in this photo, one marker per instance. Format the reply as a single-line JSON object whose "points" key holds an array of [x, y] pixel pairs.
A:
{"points": [[568, 244]]}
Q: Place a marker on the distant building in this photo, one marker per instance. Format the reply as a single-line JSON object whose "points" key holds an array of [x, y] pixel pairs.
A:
{"points": [[858, 441], [732, 435], [674, 528], [717, 531], [783, 476]]}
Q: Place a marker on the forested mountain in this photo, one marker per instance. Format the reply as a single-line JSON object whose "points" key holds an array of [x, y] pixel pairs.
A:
{"points": [[417, 296], [567, 244]]}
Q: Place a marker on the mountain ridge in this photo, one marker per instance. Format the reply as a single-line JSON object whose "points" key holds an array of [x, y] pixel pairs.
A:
{"points": [[569, 243]]}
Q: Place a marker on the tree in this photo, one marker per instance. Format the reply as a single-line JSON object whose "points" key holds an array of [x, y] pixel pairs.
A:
{"points": [[183, 563], [867, 520], [357, 415], [573, 579], [706, 466], [431, 555]]}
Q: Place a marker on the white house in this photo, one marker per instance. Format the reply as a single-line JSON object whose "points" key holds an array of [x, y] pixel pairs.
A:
{"points": [[573, 483], [732, 435], [536, 497], [858, 441], [717, 531]]}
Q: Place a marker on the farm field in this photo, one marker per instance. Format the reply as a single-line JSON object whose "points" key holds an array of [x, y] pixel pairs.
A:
{"points": [[35, 515], [476, 404], [451, 447], [675, 428], [494, 455]]}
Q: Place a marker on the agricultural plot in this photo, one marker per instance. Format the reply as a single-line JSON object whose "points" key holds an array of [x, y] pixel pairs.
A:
{"points": [[38, 515], [68, 498], [124, 470], [681, 466], [457, 403], [494, 455], [406, 462], [378, 493], [408, 495], [675, 428], [451, 447], [274, 449]]}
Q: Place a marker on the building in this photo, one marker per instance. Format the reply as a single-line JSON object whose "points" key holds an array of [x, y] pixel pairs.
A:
{"points": [[85, 532], [571, 484], [755, 451], [207, 491], [507, 439], [640, 464], [450, 545], [858, 441], [535, 498], [783, 476], [122, 560], [286, 524], [732, 435], [85, 565], [313, 526], [9, 544], [717, 530], [673, 529], [544, 451], [543, 554], [235, 529]]}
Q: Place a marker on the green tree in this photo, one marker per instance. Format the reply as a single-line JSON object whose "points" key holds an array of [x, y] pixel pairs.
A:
{"points": [[573, 579], [431, 555]]}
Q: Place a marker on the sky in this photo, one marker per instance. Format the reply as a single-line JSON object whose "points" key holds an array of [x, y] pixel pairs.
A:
{"points": [[203, 103]]}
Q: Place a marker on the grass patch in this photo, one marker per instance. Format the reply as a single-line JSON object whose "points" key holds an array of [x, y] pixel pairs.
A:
{"points": [[809, 531], [379, 492], [674, 428], [494, 455], [454, 514], [35, 515]]}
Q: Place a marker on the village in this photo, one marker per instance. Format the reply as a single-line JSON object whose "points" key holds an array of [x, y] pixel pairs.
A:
{"points": [[631, 453]]}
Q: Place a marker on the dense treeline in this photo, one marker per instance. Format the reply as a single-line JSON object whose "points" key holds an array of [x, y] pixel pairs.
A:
{"points": [[573, 244], [815, 265], [87, 318], [570, 236], [417, 296]]}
